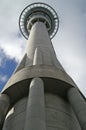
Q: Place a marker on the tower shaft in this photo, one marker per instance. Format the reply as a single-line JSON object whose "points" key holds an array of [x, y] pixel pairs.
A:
{"points": [[59, 114], [38, 96], [39, 45]]}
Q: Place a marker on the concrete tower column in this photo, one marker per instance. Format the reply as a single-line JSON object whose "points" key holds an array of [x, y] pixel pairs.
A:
{"points": [[39, 47], [79, 106], [35, 113], [4, 105], [39, 23], [39, 44]]}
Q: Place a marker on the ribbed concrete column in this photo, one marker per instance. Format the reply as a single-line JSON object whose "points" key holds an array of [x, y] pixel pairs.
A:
{"points": [[79, 106], [37, 60], [35, 113], [4, 105]]}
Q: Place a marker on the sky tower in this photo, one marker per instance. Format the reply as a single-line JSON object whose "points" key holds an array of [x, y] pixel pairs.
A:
{"points": [[40, 95]]}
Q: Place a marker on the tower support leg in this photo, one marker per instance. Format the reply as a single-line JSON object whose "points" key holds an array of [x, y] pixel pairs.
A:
{"points": [[4, 105], [79, 106], [35, 113]]}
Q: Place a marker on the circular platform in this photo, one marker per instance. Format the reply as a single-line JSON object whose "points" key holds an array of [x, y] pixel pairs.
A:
{"points": [[38, 12]]}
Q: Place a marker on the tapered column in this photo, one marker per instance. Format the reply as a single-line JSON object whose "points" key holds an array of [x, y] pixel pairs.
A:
{"points": [[79, 106], [35, 113], [4, 105], [39, 45]]}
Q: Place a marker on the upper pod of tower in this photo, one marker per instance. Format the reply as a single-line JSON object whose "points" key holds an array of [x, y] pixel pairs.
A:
{"points": [[38, 12]]}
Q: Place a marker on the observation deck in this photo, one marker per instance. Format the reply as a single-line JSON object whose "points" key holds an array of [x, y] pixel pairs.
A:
{"points": [[38, 12]]}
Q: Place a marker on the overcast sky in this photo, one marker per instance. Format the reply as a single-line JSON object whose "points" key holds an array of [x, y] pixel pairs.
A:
{"points": [[69, 43]]}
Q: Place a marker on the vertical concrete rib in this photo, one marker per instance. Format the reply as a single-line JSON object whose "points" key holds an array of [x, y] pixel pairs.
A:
{"points": [[35, 113], [79, 106], [37, 60], [4, 105]]}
